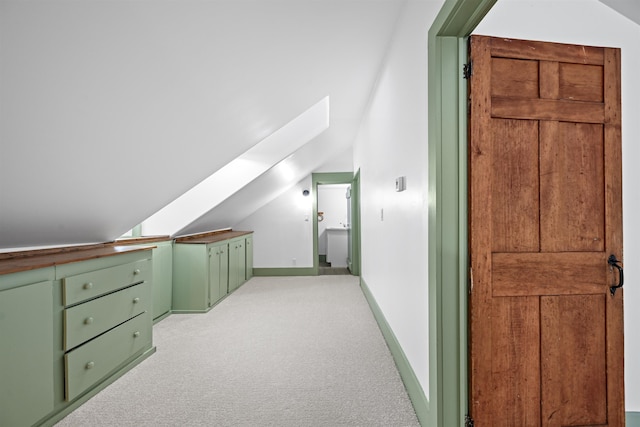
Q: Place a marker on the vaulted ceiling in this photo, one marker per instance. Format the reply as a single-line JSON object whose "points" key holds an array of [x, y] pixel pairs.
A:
{"points": [[111, 110], [628, 8]]}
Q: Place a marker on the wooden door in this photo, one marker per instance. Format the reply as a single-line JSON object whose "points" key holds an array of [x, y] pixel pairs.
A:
{"points": [[545, 203]]}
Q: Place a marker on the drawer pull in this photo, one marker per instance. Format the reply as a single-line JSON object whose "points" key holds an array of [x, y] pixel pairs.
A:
{"points": [[136, 271], [88, 285], [88, 320], [136, 334], [89, 365], [136, 300]]}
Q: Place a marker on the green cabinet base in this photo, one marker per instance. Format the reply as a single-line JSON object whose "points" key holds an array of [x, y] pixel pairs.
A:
{"points": [[205, 272]]}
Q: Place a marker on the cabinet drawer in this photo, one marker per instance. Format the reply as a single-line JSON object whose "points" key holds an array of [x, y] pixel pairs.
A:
{"points": [[88, 364], [85, 321], [94, 283]]}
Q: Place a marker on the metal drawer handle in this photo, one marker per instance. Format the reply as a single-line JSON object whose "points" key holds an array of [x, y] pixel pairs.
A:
{"points": [[136, 271], [88, 320], [88, 285], [136, 334], [136, 300], [89, 365], [613, 262]]}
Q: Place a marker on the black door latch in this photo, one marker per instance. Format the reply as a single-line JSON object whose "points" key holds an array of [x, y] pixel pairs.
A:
{"points": [[613, 262]]}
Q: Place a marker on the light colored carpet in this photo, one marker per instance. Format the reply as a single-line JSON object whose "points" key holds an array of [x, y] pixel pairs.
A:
{"points": [[280, 351]]}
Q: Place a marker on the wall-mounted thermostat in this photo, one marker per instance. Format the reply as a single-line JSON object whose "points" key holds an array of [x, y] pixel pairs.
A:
{"points": [[401, 183]]}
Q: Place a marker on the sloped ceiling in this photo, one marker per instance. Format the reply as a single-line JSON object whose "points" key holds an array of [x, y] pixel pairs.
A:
{"points": [[110, 110], [628, 8]]}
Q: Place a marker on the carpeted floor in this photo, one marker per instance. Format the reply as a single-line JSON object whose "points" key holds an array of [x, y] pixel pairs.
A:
{"points": [[280, 351]]}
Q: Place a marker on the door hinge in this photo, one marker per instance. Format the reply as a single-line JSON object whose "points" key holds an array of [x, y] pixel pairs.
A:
{"points": [[467, 70], [468, 421]]}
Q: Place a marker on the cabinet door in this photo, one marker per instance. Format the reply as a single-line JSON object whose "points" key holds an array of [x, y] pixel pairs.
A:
{"points": [[26, 354], [242, 262], [234, 261], [224, 270], [248, 246], [190, 278], [237, 263], [218, 272], [214, 275], [162, 278]]}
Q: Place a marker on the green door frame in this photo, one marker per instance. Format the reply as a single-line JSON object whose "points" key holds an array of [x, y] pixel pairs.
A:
{"points": [[448, 257], [355, 225], [325, 178]]}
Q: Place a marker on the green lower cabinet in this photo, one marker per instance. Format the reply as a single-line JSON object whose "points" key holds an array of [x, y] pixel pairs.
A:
{"points": [[218, 272], [26, 353], [162, 274], [190, 278], [69, 330], [249, 257], [200, 276], [237, 263], [204, 272]]}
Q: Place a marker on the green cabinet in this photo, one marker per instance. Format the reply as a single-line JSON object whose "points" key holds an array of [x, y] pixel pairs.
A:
{"points": [[162, 278], [190, 278], [26, 347], [76, 321], [237, 263], [100, 297], [240, 261], [218, 272], [200, 276], [206, 269], [249, 257]]}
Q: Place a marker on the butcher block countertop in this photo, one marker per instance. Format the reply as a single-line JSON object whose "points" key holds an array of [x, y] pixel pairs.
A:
{"points": [[15, 262], [212, 237]]}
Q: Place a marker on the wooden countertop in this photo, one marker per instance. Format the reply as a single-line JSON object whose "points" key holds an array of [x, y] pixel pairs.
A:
{"points": [[15, 262], [212, 237], [140, 240]]}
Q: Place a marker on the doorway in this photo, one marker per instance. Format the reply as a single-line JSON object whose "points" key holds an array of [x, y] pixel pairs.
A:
{"points": [[448, 268], [334, 226], [336, 223]]}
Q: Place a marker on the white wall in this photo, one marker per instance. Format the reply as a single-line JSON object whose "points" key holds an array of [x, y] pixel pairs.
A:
{"points": [[597, 25], [392, 142], [333, 202], [283, 227], [283, 230]]}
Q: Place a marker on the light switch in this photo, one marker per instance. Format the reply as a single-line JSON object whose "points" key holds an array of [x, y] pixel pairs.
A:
{"points": [[401, 183]]}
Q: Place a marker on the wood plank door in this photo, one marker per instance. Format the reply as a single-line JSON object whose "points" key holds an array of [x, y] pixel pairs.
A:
{"points": [[545, 203]]}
